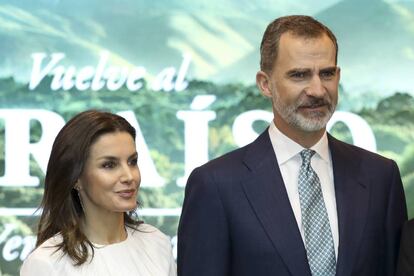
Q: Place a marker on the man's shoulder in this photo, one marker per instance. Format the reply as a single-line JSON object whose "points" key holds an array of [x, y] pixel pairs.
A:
{"points": [[229, 160], [357, 152], [236, 163]]}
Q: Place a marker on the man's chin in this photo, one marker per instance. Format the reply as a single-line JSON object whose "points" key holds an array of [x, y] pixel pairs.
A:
{"points": [[312, 124]]}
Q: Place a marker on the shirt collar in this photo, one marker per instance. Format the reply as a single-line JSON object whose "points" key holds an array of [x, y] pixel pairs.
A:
{"points": [[285, 148]]}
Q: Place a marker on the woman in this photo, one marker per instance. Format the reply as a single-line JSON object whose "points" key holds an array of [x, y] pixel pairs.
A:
{"points": [[87, 225]]}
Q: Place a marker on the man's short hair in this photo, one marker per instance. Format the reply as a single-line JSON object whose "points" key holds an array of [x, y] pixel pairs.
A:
{"points": [[298, 25]]}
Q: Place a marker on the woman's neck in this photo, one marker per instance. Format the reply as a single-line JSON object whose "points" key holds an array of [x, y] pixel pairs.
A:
{"points": [[105, 228]]}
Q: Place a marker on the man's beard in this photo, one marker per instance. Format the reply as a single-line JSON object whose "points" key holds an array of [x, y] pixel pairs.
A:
{"points": [[314, 120]]}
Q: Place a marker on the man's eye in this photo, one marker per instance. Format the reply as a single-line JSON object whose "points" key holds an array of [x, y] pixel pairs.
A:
{"points": [[298, 75], [109, 165], [327, 74]]}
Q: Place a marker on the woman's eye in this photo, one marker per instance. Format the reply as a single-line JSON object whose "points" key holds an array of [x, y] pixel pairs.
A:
{"points": [[133, 162], [109, 165]]}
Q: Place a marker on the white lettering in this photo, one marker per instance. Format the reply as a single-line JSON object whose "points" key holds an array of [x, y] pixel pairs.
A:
{"points": [[18, 147], [14, 242], [68, 80], [149, 174], [361, 132], [97, 82], [196, 134], [39, 74], [83, 80], [133, 83], [29, 244], [180, 83], [164, 80], [10, 247], [116, 77], [243, 131], [112, 77]]}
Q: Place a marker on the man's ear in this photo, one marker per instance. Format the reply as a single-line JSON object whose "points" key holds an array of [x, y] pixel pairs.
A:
{"points": [[263, 82]]}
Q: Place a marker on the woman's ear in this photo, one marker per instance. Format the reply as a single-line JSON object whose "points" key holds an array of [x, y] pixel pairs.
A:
{"points": [[77, 186]]}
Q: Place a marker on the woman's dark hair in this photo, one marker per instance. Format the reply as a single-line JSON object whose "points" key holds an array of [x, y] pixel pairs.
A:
{"points": [[61, 207]]}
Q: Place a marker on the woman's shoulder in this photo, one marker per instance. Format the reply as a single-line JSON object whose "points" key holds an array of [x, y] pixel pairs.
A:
{"points": [[149, 235], [148, 228], [42, 260], [149, 245], [148, 231], [48, 248]]}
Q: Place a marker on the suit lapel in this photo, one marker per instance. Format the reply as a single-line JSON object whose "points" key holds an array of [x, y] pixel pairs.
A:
{"points": [[352, 198], [267, 195]]}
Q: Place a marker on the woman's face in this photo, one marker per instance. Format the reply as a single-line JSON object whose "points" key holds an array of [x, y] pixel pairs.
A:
{"points": [[111, 178]]}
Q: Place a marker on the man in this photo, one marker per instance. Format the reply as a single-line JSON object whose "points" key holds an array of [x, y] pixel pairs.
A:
{"points": [[296, 201]]}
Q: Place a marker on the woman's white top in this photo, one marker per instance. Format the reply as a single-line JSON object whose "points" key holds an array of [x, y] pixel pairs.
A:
{"points": [[145, 252]]}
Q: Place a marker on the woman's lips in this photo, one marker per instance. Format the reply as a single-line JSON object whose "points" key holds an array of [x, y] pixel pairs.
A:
{"points": [[126, 193]]}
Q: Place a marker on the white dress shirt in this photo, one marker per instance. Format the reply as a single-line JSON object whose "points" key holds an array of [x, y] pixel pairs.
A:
{"points": [[288, 157]]}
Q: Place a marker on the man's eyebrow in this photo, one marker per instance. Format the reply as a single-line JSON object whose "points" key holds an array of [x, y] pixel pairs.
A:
{"points": [[297, 70], [332, 68], [307, 70]]}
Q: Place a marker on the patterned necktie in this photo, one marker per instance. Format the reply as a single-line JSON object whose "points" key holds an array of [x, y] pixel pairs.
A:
{"points": [[318, 235]]}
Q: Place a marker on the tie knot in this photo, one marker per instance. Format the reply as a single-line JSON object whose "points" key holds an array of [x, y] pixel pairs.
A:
{"points": [[306, 155]]}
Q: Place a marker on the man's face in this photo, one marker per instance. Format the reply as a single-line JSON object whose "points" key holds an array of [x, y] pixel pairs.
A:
{"points": [[303, 84]]}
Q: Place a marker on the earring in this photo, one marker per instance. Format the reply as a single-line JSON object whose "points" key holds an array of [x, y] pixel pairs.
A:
{"points": [[80, 199]]}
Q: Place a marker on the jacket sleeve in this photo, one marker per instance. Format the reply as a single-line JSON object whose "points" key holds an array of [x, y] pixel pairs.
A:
{"points": [[203, 234], [405, 264], [395, 218]]}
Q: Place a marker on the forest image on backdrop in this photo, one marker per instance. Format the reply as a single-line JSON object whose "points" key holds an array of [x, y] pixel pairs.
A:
{"points": [[391, 119]]}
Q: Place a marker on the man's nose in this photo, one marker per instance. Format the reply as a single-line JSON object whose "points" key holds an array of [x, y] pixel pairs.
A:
{"points": [[316, 87]]}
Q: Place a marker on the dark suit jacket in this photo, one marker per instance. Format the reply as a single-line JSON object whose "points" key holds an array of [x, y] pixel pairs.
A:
{"points": [[237, 219], [406, 259]]}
